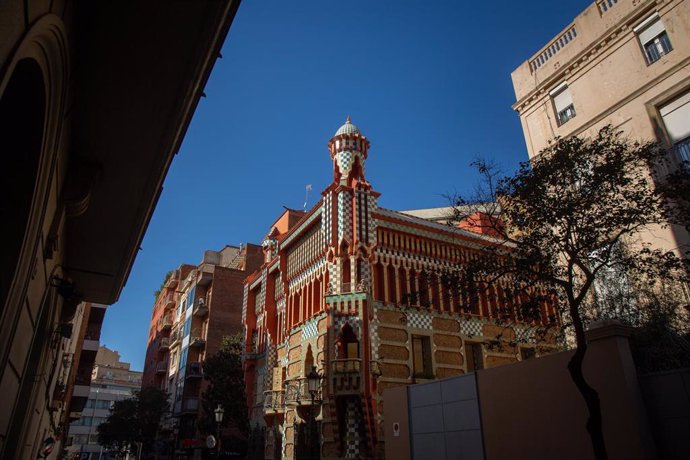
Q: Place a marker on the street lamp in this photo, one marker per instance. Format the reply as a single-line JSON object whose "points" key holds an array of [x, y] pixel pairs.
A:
{"points": [[313, 381], [219, 419]]}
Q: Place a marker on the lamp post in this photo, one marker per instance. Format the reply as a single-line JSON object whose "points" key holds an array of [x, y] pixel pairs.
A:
{"points": [[313, 380], [219, 419]]}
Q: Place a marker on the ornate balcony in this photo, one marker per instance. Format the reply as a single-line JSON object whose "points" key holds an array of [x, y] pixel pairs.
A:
{"points": [[297, 392], [161, 367], [346, 375], [164, 344], [274, 401]]}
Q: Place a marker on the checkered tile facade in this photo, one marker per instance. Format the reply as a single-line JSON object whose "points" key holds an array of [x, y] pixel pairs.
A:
{"points": [[313, 270], [245, 297], [419, 320], [353, 420], [303, 253], [524, 334], [345, 159], [310, 329], [471, 327], [326, 218], [344, 216], [341, 320]]}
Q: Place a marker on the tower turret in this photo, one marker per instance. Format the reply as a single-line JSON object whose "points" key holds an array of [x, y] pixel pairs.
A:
{"points": [[349, 150]]}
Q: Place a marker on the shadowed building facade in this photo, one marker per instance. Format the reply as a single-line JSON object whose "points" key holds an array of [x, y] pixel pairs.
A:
{"points": [[95, 99], [355, 293]]}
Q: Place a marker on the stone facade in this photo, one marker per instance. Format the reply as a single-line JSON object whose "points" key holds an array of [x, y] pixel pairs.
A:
{"points": [[623, 63], [354, 292]]}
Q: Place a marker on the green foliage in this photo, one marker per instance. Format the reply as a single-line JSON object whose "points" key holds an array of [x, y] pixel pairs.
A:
{"points": [[134, 420], [225, 375], [157, 292], [564, 220]]}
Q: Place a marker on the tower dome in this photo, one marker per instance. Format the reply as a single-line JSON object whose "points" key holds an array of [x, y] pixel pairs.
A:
{"points": [[347, 128]]}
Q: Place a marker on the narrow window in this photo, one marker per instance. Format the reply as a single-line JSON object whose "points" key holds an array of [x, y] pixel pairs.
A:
{"points": [[421, 356], [653, 38], [474, 356], [676, 117], [563, 103]]}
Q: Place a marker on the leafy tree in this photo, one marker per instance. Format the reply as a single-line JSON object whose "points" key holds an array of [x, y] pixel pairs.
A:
{"points": [[225, 376], [563, 221], [134, 420]]}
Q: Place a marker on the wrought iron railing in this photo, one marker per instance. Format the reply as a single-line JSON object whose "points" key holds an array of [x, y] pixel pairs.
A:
{"points": [[297, 392], [274, 400], [346, 366]]}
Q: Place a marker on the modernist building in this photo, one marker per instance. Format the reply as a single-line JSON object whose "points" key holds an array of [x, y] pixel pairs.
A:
{"points": [[624, 63], [196, 307], [111, 380], [90, 119], [355, 293]]}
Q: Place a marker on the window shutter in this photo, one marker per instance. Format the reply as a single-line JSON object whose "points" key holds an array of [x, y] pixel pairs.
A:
{"points": [[562, 99], [676, 116], [652, 31]]}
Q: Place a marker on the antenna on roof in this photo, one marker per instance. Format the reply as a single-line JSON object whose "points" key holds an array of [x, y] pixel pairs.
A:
{"points": [[306, 195]]}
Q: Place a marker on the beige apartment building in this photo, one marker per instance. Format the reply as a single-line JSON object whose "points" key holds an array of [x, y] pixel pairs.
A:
{"points": [[620, 62], [111, 380]]}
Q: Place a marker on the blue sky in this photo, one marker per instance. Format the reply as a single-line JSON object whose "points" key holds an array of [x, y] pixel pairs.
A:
{"points": [[428, 82]]}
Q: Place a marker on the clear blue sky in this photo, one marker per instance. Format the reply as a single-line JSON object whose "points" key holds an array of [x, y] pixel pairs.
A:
{"points": [[428, 82]]}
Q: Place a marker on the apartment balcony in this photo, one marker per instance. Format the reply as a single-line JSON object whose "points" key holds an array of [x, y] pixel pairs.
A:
{"points": [[205, 274], [175, 338], [197, 339], [161, 367], [297, 392], [346, 376], [164, 343], [165, 323], [194, 371], [190, 405], [200, 308], [169, 301], [274, 401]]}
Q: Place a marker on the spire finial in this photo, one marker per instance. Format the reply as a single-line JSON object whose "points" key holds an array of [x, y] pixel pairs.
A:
{"points": [[347, 120]]}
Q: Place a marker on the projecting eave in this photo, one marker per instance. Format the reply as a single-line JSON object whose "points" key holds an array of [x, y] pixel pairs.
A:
{"points": [[140, 73]]}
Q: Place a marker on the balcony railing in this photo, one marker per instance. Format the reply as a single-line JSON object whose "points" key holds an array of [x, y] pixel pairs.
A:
{"points": [[297, 392], [345, 375], [190, 405], [197, 338], [346, 366], [165, 343], [200, 308], [161, 368], [274, 401], [194, 370], [166, 322]]}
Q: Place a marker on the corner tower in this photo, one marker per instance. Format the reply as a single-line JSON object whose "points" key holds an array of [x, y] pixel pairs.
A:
{"points": [[349, 150], [349, 203]]}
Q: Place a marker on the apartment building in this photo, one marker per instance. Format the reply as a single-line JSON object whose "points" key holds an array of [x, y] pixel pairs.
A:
{"points": [[90, 119], [196, 307], [620, 62], [111, 380], [350, 301]]}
